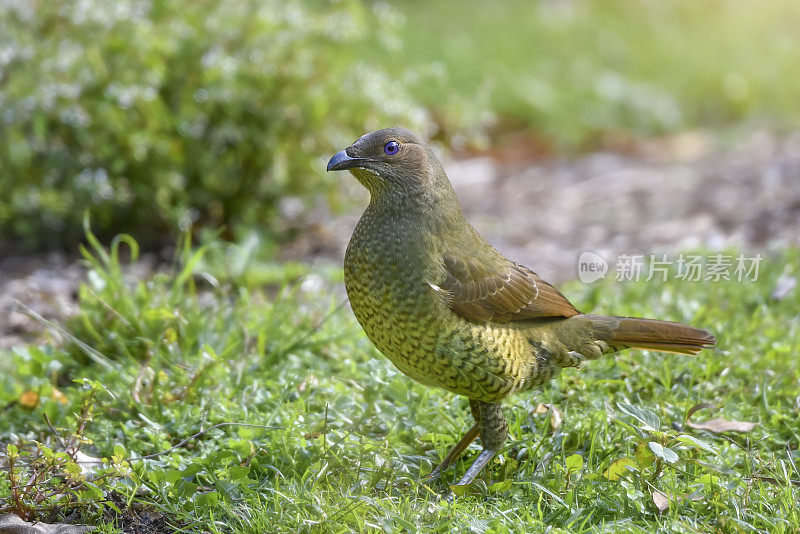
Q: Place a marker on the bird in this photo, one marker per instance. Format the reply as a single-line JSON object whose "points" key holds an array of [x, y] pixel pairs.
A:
{"points": [[450, 311]]}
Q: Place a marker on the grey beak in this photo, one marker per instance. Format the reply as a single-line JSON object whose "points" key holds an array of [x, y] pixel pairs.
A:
{"points": [[341, 161]]}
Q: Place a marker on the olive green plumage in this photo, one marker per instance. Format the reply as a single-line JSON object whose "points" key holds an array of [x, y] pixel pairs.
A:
{"points": [[448, 309]]}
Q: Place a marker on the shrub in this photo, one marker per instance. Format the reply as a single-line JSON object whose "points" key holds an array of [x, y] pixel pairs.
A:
{"points": [[164, 115]]}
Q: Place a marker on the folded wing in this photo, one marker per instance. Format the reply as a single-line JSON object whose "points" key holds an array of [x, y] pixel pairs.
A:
{"points": [[495, 289]]}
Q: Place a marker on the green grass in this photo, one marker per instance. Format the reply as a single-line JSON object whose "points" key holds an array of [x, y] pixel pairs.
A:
{"points": [[219, 339], [573, 72]]}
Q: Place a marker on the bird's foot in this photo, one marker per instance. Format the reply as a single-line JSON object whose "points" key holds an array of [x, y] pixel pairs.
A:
{"points": [[480, 462], [575, 359], [483, 459], [455, 453]]}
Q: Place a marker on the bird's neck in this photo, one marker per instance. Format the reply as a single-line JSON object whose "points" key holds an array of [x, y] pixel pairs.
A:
{"points": [[424, 214], [394, 204]]}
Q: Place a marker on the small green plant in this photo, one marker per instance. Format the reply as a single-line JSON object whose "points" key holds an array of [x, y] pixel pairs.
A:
{"points": [[40, 479], [658, 456]]}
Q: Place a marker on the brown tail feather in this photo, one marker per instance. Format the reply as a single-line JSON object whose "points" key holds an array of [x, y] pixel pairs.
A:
{"points": [[652, 334]]}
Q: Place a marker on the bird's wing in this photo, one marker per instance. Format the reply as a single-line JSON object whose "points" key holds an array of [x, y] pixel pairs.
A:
{"points": [[499, 290]]}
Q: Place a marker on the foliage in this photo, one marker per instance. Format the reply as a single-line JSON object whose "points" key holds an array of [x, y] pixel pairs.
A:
{"points": [[249, 408], [40, 481], [160, 115], [165, 115]]}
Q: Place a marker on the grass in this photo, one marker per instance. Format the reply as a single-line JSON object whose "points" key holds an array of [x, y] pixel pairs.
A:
{"points": [[574, 73], [340, 440]]}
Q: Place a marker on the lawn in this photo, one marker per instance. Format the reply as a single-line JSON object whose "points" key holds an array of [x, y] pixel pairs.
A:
{"points": [[316, 431], [227, 392]]}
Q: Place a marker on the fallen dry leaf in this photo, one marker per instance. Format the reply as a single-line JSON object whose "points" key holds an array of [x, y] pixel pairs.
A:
{"points": [[56, 395], [29, 399], [88, 464], [660, 500], [541, 409], [718, 425], [556, 419], [310, 381]]}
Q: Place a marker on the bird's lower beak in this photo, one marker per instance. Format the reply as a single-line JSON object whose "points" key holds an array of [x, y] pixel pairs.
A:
{"points": [[341, 161]]}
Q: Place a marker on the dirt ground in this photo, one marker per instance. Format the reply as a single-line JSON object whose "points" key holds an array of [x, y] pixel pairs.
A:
{"points": [[653, 197]]}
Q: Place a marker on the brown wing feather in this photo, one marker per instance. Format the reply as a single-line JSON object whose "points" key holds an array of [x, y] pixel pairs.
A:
{"points": [[501, 293]]}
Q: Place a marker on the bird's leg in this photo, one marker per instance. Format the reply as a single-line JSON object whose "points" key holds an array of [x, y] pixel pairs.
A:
{"points": [[494, 432], [462, 444], [455, 452]]}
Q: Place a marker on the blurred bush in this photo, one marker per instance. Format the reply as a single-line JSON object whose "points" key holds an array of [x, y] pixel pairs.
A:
{"points": [[173, 114]]}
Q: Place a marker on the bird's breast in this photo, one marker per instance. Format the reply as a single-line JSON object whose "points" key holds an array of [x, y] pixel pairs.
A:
{"points": [[387, 272]]}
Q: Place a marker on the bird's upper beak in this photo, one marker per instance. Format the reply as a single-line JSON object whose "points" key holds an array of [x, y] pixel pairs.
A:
{"points": [[341, 161]]}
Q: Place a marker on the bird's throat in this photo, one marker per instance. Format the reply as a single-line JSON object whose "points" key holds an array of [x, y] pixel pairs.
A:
{"points": [[368, 178]]}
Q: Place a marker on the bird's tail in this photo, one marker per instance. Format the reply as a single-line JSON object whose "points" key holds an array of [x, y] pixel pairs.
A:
{"points": [[630, 332]]}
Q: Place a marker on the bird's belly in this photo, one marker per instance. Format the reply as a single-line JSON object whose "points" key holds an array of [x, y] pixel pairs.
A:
{"points": [[424, 339], [399, 321]]}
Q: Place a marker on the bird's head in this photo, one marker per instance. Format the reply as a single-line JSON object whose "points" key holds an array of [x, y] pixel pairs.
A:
{"points": [[393, 162]]}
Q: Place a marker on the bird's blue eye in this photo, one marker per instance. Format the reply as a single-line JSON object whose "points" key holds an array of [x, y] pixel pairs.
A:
{"points": [[391, 148]]}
